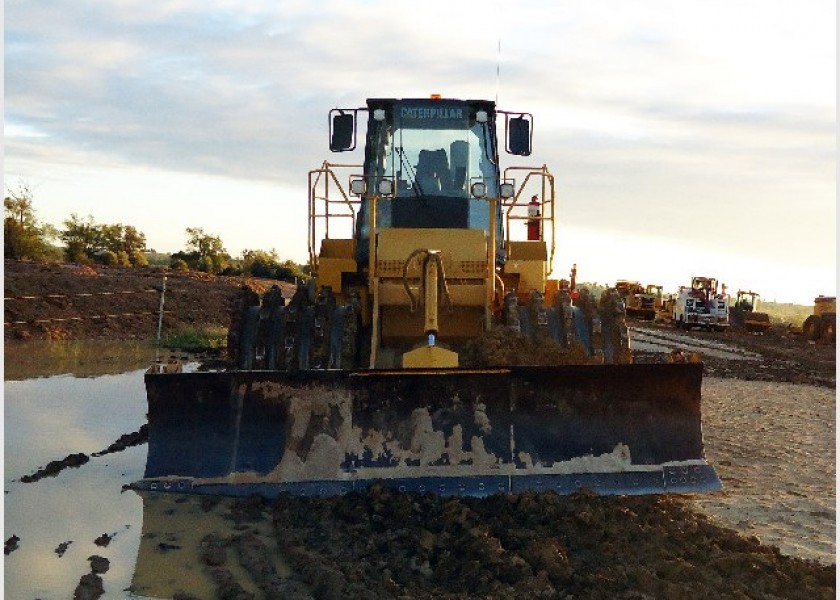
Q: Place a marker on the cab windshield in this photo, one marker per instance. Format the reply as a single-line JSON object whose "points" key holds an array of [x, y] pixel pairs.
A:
{"points": [[434, 151]]}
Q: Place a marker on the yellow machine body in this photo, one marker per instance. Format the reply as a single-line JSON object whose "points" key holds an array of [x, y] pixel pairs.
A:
{"points": [[431, 351], [822, 324]]}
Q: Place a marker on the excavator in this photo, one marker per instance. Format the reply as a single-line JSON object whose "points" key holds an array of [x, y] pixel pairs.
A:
{"points": [[432, 350]]}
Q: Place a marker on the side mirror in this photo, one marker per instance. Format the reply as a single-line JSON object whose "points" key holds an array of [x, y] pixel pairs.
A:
{"points": [[342, 131], [519, 136]]}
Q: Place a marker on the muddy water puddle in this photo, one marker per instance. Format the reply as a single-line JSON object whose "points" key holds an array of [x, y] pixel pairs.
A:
{"points": [[67, 400]]}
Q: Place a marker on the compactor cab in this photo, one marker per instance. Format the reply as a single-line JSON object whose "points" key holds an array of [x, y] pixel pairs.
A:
{"points": [[432, 350]]}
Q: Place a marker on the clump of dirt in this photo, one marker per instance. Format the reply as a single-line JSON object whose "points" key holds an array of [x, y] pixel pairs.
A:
{"points": [[90, 587], [78, 459], [127, 440], [249, 509], [62, 548], [55, 467], [389, 544], [504, 346], [90, 584], [212, 550], [11, 545], [99, 564], [256, 559]]}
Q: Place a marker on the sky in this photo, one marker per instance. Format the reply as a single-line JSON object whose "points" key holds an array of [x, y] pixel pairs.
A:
{"points": [[686, 138]]}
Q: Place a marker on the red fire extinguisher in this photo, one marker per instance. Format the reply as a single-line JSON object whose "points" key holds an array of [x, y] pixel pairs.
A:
{"points": [[534, 221]]}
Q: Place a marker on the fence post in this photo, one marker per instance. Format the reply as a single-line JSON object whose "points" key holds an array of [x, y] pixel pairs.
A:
{"points": [[160, 314]]}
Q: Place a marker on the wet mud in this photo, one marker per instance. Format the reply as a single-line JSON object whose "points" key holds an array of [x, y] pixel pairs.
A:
{"points": [[388, 544], [55, 467], [11, 544], [78, 459]]}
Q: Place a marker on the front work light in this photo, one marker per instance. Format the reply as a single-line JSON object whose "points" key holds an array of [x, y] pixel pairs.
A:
{"points": [[386, 188], [506, 190], [479, 189], [358, 187]]}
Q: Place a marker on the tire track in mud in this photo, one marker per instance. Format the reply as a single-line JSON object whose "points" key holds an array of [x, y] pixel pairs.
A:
{"points": [[656, 340]]}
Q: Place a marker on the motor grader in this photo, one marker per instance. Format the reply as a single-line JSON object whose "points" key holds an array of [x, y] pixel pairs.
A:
{"points": [[432, 350]]}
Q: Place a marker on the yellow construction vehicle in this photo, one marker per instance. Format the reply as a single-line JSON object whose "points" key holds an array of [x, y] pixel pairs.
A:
{"points": [[655, 291], [432, 350], [744, 313], [821, 324], [640, 302]]}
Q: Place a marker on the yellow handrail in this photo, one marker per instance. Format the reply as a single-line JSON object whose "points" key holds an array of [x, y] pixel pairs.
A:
{"points": [[547, 205], [319, 181]]}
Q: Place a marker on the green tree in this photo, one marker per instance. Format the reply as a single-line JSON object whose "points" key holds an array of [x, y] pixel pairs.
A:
{"points": [[138, 258], [24, 238], [110, 237], [260, 263], [126, 242], [179, 264], [205, 252], [204, 243], [134, 244], [110, 244], [82, 238], [290, 271]]}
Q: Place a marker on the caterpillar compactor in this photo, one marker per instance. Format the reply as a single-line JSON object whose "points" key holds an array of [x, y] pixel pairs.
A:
{"points": [[432, 351]]}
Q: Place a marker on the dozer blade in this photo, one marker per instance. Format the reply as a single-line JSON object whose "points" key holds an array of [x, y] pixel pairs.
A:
{"points": [[615, 429]]}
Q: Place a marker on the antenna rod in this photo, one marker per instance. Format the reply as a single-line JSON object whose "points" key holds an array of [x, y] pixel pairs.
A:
{"points": [[498, 61]]}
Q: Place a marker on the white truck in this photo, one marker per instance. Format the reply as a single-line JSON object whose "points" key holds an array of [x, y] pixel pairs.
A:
{"points": [[701, 305]]}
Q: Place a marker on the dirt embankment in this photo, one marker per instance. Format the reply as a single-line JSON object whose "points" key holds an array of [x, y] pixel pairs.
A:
{"points": [[60, 302]]}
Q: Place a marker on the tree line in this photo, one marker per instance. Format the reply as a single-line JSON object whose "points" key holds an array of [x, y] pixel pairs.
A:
{"points": [[84, 241]]}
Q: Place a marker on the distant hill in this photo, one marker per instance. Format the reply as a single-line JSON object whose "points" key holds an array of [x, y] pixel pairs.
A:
{"points": [[786, 313]]}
